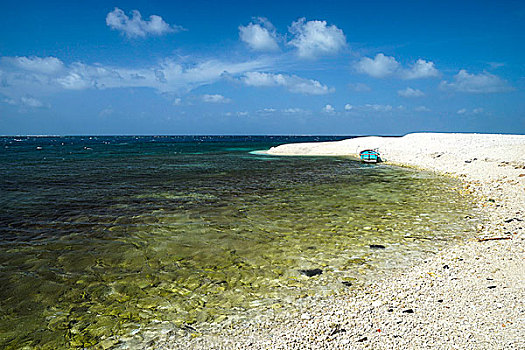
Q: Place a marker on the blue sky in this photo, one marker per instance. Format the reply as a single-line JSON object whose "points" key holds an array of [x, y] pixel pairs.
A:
{"points": [[272, 67]]}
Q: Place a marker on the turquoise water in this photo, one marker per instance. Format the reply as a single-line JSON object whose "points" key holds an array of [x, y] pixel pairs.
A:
{"points": [[105, 238]]}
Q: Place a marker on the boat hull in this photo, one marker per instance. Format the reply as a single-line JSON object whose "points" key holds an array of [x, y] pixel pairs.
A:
{"points": [[369, 156]]}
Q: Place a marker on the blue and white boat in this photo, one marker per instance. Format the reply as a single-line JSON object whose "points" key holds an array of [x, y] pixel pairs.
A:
{"points": [[369, 156]]}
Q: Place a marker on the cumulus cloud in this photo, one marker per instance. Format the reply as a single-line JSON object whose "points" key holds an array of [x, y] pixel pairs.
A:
{"points": [[75, 81], [379, 67], [259, 36], [409, 92], [382, 66], [315, 38], [421, 69], [166, 77], [136, 27], [462, 111], [292, 82], [329, 109], [45, 65], [476, 83], [216, 98], [348, 107]]}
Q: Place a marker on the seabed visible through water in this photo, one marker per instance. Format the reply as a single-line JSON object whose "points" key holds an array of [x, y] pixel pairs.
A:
{"points": [[103, 239]]}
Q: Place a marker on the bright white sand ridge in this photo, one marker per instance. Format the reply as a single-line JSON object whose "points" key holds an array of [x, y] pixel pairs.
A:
{"points": [[471, 295], [474, 155]]}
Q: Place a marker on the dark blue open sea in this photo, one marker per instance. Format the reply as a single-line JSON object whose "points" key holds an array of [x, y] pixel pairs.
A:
{"points": [[103, 239]]}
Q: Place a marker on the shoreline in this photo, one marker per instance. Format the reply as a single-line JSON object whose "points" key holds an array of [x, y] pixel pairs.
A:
{"points": [[471, 295]]}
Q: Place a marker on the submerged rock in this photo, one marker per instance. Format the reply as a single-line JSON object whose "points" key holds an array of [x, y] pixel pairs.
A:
{"points": [[311, 272], [377, 246]]}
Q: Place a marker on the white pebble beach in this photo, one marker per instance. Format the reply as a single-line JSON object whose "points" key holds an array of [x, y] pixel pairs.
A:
{"points": [[470, 295]]}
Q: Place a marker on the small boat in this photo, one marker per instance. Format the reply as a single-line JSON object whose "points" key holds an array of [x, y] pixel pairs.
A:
{"points": [[370, 156]]}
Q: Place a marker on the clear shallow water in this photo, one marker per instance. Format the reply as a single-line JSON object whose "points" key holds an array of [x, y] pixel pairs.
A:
{"points": [[102, 239]]}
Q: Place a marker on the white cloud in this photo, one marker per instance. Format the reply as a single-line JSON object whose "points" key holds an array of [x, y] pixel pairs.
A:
{"points": [[259, 36], [421, 69], [292, 82], [379, 67], [315, 38], [44, 65], [26, 101], [136, 26], [295, 110], [348, 107], [409, 92], [474, 111], [329, 109], [31, 102], [167, 76], [382, 66], [264, 79], [422, 109], [216, 98], [477, 110], [74, 81], [266, 111], [476, 83], [378, 108]]}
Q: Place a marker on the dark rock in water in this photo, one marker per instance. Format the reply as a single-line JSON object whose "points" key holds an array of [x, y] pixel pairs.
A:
{"points": [[346, 283], [311, 272], [491, 287], [362, 339], [408, 311], [390, 310], [440, 300], [377, 246], [187, 327]]}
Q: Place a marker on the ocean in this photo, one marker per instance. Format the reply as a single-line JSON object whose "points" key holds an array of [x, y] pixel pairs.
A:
{"points": [[105, 238]]}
